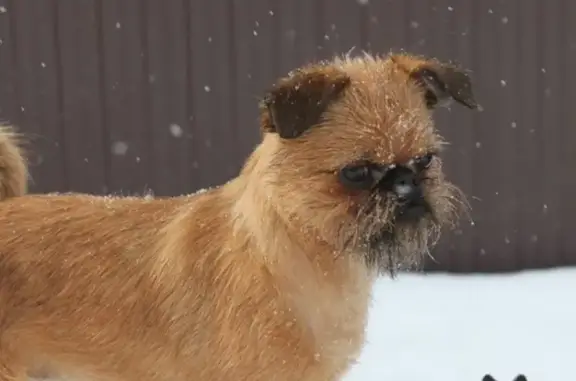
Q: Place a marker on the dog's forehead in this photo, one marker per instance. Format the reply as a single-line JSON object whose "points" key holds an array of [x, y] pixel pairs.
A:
{"points": [[385, 136], [388, 116], [399, 140]]}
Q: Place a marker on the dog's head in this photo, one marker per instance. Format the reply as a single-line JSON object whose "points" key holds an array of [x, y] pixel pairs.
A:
{"points": [[356, 155]]}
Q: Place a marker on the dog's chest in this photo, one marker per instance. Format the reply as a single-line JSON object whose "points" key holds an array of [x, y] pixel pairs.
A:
{"points": [[336, 318], [339, 326]]}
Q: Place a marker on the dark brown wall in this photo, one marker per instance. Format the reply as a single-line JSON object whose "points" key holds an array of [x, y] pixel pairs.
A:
{"points": [[124, 96]]}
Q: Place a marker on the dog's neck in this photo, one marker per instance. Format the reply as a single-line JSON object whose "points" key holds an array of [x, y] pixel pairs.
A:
{"points": [[257, 214], [324, 288]]}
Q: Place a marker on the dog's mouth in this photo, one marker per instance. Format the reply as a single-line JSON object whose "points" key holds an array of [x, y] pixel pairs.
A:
{"points": [[401, 241], [412, 211], [395, 235], [401, 248]]}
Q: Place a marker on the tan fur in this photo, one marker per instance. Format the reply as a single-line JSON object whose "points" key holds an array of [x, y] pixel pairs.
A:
{"points": [[246, 281], [13, 169]]}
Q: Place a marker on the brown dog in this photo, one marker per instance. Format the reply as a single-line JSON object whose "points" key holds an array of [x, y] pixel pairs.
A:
{"points": [[267, 277]]}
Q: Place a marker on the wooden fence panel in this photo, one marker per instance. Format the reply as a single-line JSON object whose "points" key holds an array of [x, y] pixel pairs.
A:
{"points": [[84, 113], [168, 58], [37, 97], [126, 93], [8, 55], [215, 150], [122, 97], [565, 153]]}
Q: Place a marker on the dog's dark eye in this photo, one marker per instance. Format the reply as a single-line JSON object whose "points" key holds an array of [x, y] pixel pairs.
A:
{"points": [[424, 162], [357, 176]]}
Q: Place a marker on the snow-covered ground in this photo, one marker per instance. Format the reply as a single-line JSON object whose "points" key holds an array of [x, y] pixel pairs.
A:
{"points": [[458, 328]]}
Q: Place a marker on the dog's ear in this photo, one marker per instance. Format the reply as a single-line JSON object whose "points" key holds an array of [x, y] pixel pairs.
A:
{"points": [[520, 377], [297, 102], [488, 377], [441, 82]]}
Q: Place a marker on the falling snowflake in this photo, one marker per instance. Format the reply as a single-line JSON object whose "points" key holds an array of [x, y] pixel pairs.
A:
{"points": [[119, 148], [176, 130], [118, 25], [207, 88]]}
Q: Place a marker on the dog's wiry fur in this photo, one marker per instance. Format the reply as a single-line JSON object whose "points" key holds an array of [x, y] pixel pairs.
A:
{"points": [[267, 277], [13, 168]]}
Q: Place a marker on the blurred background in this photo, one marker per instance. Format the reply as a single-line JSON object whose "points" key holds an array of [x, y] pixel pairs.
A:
{"points": [[130, 96]]}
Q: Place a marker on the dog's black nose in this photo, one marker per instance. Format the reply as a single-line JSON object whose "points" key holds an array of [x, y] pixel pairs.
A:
{"points": [[405, 184]]}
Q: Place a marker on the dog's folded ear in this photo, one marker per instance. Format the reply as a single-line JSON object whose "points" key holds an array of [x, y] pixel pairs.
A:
{"points": [[441, 82], [297, 102], [488, 377], [520, 377]]}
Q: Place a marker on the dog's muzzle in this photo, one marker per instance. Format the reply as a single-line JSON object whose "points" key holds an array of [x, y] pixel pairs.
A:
{"points": [[406, 187]]}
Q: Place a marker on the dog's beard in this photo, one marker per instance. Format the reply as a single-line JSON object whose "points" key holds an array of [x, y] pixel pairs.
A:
{"points": [[390, 243], [401, 246]]}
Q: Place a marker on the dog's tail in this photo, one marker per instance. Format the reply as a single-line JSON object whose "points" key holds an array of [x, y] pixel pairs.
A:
{"points": [[13, 165]]}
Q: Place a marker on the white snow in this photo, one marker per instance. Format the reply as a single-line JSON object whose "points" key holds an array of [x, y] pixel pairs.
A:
{"points": [[458, 328]]}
